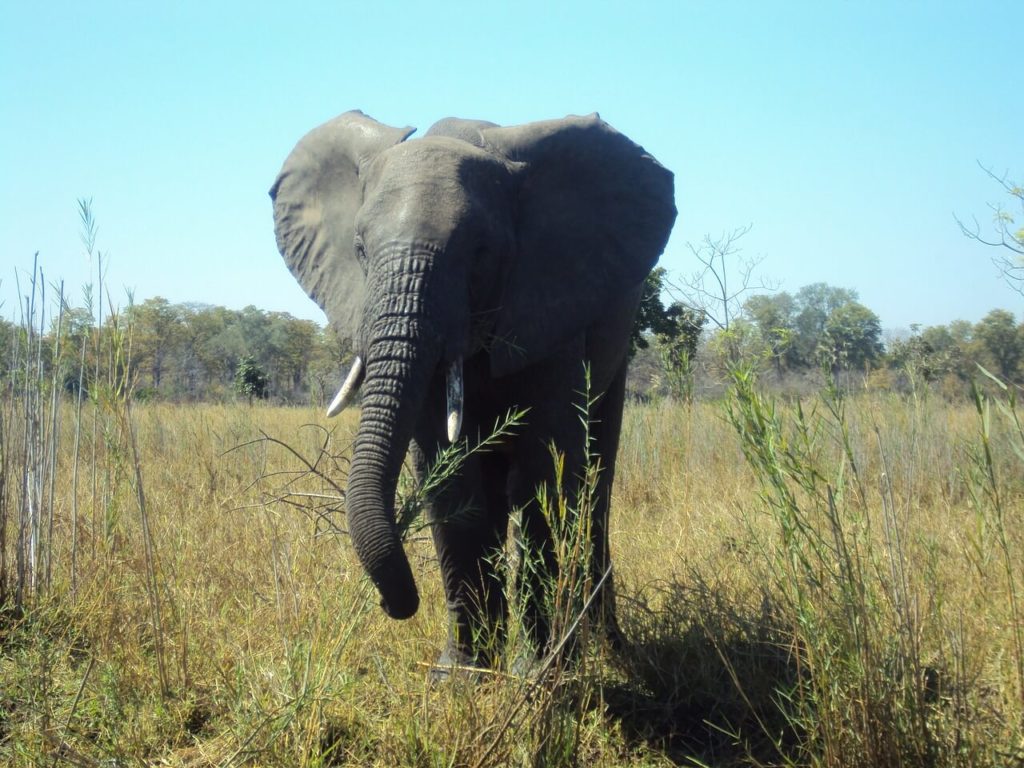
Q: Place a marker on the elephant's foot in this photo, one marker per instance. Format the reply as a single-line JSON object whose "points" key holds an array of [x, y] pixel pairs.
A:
{"points": [[456, 664], [527, 665]]}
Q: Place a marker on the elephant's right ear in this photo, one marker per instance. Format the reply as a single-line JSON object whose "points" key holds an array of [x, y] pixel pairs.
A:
{"points": [[316, 197]]}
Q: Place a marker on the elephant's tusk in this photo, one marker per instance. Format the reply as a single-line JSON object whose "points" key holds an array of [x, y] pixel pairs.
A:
{"points": [[348, 389], [454, 389]]}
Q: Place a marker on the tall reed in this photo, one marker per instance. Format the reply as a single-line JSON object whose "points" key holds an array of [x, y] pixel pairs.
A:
{"points": [[871, 691], [29, 445]]}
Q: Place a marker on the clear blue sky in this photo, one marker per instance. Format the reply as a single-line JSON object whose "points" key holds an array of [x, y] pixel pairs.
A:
{"points": [[848, 134]]}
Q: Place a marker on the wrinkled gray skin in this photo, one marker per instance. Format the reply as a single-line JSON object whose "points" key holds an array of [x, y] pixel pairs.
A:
{"points": [[520, 251]]}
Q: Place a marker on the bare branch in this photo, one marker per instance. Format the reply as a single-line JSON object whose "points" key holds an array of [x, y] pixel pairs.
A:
{"points": [[1009, 230], [716, 288]]}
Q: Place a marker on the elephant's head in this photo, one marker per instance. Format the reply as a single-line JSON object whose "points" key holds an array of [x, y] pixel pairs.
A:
{"points": [[474, 238]]}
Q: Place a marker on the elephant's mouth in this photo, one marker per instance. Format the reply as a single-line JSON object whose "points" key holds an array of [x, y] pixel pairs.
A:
{"points": [[453, 389]]}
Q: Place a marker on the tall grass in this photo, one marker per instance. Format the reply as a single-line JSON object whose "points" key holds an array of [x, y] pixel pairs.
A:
{"points": [[834, 581], [823, 633], [998, 509], [861, 580], [29, 438]]}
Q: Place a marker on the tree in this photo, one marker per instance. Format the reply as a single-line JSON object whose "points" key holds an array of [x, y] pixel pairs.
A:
{"points": [[742, 342], [794, 329], [250, 380], [675, 329], [677, 346], [76, 331], [928, 355], [1008, 235], [814, 304], [8, 340], [216, 347], [716, 289], [157, 324], [331, 358], [1000, 337], [651, 315], [949, 348], [291, 344], [852, 337], [774, 317]]}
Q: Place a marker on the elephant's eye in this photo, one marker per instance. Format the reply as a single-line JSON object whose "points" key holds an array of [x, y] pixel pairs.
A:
{"points": [[360, 250]]}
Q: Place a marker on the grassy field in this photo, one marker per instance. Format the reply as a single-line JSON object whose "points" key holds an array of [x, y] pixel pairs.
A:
{"points": [[835, 583]]}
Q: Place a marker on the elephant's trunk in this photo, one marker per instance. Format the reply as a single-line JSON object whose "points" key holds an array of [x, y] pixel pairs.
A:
{"points": [[399, 366]]}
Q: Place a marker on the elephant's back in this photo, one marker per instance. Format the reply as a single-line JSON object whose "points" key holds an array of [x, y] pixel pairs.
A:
{"points": [[469, 131]]}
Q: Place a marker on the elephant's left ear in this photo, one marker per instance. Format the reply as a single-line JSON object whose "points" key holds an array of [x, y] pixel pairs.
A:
{"points": [[316, 197], [595, 213]]}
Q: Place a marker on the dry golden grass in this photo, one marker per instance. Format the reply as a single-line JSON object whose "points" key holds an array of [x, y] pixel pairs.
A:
{"points": [[745, 649]]}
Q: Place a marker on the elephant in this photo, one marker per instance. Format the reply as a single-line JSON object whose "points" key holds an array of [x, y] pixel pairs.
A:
{"points": [[476, 269]]}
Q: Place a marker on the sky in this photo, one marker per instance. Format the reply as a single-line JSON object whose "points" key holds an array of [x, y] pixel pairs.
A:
{"points": [[848, 135]]}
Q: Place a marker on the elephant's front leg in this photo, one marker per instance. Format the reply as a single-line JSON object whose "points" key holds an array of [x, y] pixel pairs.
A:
{"points": [[543, 548], [537, 563], [605, 429], [469, 523], [539, 495]]}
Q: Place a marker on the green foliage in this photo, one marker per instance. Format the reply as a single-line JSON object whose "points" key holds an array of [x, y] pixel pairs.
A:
{"points": [[158, 326], [675, 331], [653, 318], [677, 346], [250, 380], [815, 303], [927, 356], [741, 343], [950, 355], [774, 315], [820, 323], [852, 337], [1002, 341], [193, 351]]}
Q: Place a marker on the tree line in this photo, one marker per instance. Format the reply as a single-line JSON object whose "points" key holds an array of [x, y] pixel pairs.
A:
{"points": [[186, 352], [820, 328], [193, 352]]}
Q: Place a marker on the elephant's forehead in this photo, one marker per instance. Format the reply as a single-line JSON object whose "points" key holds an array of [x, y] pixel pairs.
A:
{"points": [[438, 178], [422, 179], [415, 194], [431, 158]]}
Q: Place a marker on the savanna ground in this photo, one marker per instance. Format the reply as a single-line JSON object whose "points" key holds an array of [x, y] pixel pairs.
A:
{"points": [[834, 582]]}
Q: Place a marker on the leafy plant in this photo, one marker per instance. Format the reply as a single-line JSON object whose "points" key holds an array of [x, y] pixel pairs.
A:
{"points": [[251, 380]]}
